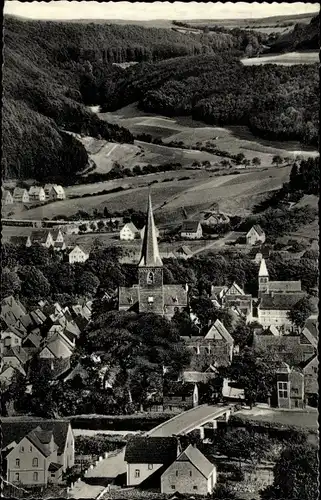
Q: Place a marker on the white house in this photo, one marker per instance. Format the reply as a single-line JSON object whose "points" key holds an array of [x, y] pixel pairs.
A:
{"points": [[255, 235], [77, 254], [20, 195], [128, 232], [6, 197], [191, 473], [191, 230], [56, 192], [37, 193]]}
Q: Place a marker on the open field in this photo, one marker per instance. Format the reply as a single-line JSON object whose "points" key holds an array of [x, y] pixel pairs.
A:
{"points": [[288, 59], [198, 192], [301, 418], [232, 139]]}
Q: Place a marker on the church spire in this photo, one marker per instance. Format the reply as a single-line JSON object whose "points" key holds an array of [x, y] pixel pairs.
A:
{"points": [[150, 253]]}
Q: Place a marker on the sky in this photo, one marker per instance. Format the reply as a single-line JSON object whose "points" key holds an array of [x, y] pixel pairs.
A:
{"points": [[155, 10]]}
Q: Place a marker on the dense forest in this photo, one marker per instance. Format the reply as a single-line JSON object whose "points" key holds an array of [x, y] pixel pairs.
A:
{"points": [[52, 71], [302, 37], [275, 102]]}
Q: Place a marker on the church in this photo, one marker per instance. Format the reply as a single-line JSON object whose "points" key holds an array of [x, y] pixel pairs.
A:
{"points": [[150, 294]]}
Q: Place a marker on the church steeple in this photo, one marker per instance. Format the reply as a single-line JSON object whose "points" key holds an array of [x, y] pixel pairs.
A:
{"points": [[150, 256]]}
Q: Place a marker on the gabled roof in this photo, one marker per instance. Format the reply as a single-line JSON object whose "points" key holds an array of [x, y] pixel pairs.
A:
{"points": [[190, 226], [53, 467], [15, 428], [263, 269], [151, 450], [79, 248], [307, 362], [55, 233], [59, 189], [40, 235], [58, 347], [196, 458], [218, 332], [33, 338], [35, 190], [280, 301], [310, 337], [311, 324], [11, 310], [19, 240], [285, 286], [258, 229], [41, 438], [237, 287], [131, 227], [175, 295], [184, 249], [16, 352], [150, 256], [19, 191]]}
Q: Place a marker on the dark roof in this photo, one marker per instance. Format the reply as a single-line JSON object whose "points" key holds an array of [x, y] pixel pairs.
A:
{"points": [[33, 338], [312, 325], [173, 292], [18, 240], [151, 450], [191, 226], [15, 428], [17, 352], [41, 438], [53, 467], [258, 229], [280, 301], [40, 235], [305, 363], [285, 286], [184, 249]]}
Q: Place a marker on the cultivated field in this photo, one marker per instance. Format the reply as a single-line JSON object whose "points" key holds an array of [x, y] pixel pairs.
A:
{"points": [[288, 59]]}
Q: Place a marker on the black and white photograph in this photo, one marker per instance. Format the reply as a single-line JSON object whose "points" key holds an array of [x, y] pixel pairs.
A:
{"points": [[160, 250]]}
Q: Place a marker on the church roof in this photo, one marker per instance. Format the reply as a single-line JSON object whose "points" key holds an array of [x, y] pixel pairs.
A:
{"points": [[263, 269], [150, 256]]}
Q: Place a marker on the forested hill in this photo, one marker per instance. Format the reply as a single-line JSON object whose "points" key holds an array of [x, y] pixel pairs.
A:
{"points": [[52, 69], [302, 37], [276, 102]]}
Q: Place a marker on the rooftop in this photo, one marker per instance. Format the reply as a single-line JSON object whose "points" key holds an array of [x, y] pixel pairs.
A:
{"points": [[151, 450], [280, 301], [190, 226], [195, 457]]}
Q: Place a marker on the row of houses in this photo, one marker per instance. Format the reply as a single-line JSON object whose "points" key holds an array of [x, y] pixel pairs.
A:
{"points": [[50, 192], [46, 332], [192, 230], [54, 239]]}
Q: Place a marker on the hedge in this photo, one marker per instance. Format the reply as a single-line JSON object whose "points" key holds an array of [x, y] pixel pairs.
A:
{"points": [[135, 422]]}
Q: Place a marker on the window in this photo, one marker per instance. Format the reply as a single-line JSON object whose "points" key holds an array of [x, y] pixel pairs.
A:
{"points": [[35, 462], [177, 473], [173, 486], [282, 389], [190, 473], [137, 473], [195, 487], [30, 449], [150, 278], [150, 300], [35, 476], [52, 474], [17, 476], [150, 466], [22, 449], [295, 391], [17, 462]]}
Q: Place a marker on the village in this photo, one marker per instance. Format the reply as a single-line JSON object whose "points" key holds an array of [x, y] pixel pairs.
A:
{"points": [[45, 336]]}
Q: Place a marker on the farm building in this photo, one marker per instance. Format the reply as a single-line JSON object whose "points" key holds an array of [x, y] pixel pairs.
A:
{"points": [[6, 197], [191, 230], [77, 254], [20, 195], [128, 232], [37, 193], [255, 235]]}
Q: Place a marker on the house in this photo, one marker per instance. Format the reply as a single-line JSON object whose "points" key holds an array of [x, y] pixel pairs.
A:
{"points": [[24, 241], [212, 218], [20, 195], [11, 310], [59, 247], [183, 252], [216, 347], [150, 294], [255, 235], [190, 473], [191, 230], [273, 309], [6, 197], [231, 392], [289, 388], [199, 377], [42, 237], [11, 337], [57, 236], [128, 232], [235, 297], [37, 451], [179, 396], [8, 372], [37, 193], [56, 348], [14, 356], [32, 341], [77, 254], [56, 192], [146, 455]]}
